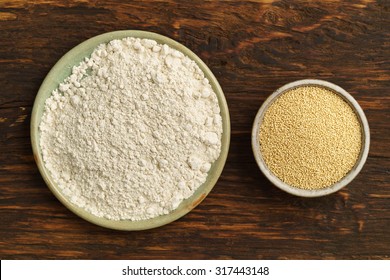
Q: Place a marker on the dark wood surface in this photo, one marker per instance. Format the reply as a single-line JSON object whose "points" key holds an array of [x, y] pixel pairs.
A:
{"points": [[253, 48]]}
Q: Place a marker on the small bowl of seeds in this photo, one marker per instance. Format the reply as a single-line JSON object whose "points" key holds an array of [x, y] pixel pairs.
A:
{"points": [[310, 138]]}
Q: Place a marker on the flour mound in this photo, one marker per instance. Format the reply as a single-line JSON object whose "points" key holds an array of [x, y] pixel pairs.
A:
{"points": [[132, 132]]}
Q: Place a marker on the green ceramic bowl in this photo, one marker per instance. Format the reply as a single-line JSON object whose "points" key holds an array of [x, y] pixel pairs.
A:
{"points": [[62, 69]]}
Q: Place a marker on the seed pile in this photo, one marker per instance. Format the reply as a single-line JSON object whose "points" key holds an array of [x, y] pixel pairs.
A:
{"points": [[310, 137]]}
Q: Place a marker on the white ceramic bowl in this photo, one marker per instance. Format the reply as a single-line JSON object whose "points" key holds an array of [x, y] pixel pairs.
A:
{"points": [[350, 175]]}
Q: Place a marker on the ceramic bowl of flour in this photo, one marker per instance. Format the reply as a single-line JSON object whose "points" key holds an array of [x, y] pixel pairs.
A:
{"points": [[71, 197]]}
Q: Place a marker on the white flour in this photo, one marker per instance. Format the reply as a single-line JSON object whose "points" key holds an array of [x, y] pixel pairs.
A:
{"points": [[132, 132]]}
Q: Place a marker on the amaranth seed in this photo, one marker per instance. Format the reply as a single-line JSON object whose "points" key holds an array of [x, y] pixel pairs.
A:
{"points": [[310, 137]]}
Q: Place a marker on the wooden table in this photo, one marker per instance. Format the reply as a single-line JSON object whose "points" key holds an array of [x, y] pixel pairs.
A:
{"points": [[253, 48]]}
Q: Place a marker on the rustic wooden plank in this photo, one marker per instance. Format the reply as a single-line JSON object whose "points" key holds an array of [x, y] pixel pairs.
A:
{"points": [[253, 48]]}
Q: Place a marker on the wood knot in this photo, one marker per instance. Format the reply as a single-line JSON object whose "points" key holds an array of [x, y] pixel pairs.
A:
{"points": [[270, 16]]}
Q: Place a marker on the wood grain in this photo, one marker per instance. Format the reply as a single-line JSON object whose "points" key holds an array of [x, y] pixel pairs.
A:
{"points": [[252, 48]]}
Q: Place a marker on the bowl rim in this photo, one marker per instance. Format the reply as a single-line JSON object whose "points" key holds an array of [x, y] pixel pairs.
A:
{"points": [[350, 175], [56, 75]]}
